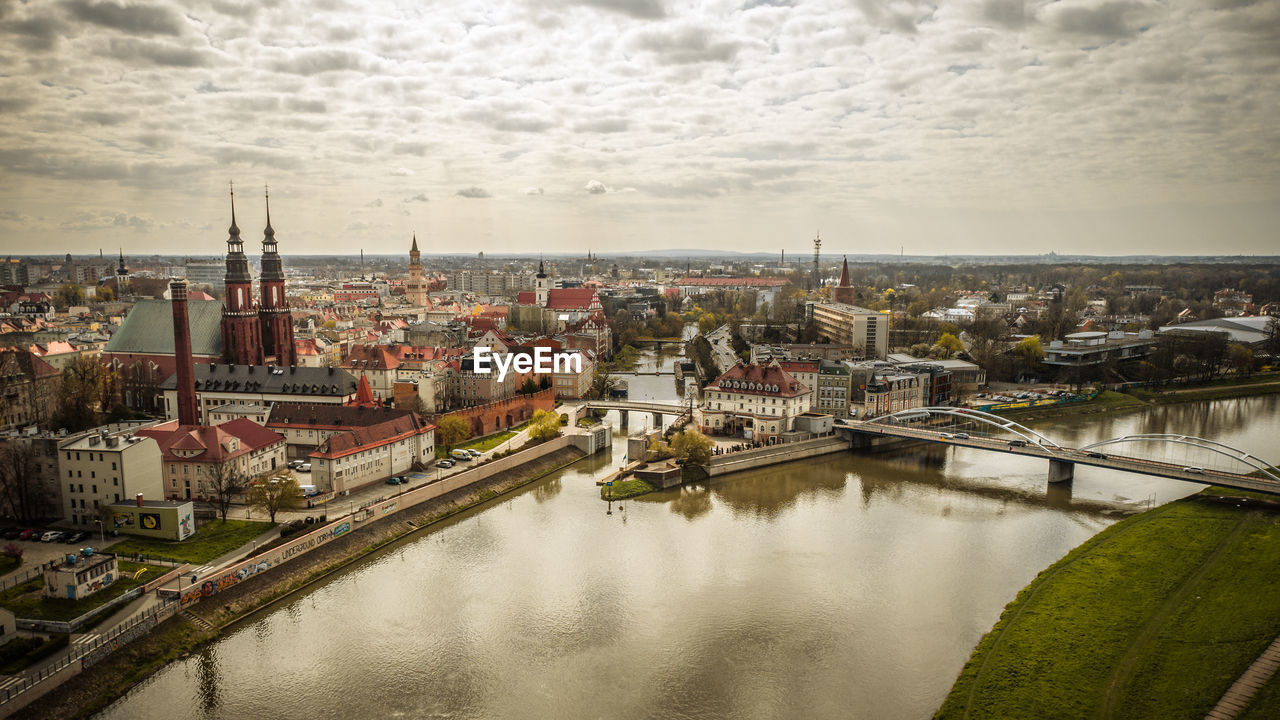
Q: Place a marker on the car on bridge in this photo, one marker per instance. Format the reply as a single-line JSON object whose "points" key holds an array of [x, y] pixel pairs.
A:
{"points": [[1193, 470], [1017, 443], [961, 436]]}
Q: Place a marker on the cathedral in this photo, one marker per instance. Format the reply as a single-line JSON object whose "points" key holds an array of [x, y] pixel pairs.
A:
{"points": [[255, 332], [415, 288]]}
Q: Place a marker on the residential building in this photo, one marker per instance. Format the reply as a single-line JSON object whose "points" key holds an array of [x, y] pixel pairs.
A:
{"points": [[855, 326], [160, 519], [935, 382], [80, 575], [305, 426], [891, 392], [766, 288], [217, 385], [573, 381], [756, 402], [28, 389], [359, 456], [805, 371], [195, 456], [484, 386], [32, 458], [206, 272], [833, 389], [104, 466]]}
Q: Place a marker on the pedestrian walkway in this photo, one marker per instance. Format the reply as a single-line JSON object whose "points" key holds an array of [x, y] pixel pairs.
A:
{"points": [[1246, 686]]}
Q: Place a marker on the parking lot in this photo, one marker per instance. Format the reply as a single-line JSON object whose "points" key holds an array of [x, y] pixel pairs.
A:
{"points": [[37, 553]]}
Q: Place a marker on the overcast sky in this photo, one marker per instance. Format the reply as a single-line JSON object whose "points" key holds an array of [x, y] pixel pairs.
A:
{"points": [[974, 126]]}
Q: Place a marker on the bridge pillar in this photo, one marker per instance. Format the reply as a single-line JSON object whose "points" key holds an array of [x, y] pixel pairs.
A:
{"points": [[622, 419], [1061, 470], [657, 420]]}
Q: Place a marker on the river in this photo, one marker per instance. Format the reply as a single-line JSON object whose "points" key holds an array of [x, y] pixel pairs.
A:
{"points": [[850, 586]]}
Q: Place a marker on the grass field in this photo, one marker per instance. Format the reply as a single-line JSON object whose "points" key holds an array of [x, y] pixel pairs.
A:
{"points": [[623, 489], [27, 600], [483, 444], [212, 539], [1154, 617]]}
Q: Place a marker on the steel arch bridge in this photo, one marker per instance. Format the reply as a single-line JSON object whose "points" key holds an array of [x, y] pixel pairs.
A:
{"points": [[1257, 473]]}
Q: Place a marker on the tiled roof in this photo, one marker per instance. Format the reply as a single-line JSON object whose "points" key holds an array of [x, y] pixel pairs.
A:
{"points": [[357, 439], [148, 329], [303, 381], [770, 380], [328, 415], [570, 298], [210, 441]]}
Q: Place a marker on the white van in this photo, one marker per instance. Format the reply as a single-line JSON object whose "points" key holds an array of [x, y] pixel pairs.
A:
{"points": [[462, 455], [309, 490]]}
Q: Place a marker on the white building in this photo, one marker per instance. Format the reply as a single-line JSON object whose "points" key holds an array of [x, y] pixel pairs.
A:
{"points": [[105, 466], [756, 402]]}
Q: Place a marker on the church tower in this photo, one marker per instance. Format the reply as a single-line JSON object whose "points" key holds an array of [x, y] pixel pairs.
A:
{"points": [[415, 288], [843, 293], [542, 284], [241, 335], [274, 320]]}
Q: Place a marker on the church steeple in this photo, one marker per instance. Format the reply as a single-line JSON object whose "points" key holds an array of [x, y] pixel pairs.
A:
{"points": [[233, 232]]}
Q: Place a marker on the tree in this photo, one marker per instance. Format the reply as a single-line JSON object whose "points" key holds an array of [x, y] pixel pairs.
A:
{"points": [[13, 550], [105, 294], [706, 323], [413, 403], [1030, 350], [948, 345], [79, 394], [545, 425], [1240, 359], [919, 350], [272, 496], [692, 447], [224, 481], [602, 383], [529, 387], [451, 430], [21, 493], [68, 295]]}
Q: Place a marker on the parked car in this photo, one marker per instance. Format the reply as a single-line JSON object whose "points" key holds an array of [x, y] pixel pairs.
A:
{"points": [[11, 533], [52, 536], [304, 467], [75, 537], [475, 453], [295, 464], [397, 480], [445, 464], [462, 455], [30, 534]]}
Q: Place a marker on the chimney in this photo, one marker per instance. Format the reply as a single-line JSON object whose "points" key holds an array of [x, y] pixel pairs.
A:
{"points": [[138, 497], [182, 355]]}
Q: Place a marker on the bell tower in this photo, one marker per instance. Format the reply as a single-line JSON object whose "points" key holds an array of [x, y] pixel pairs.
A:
{"points": [[241, 335], [273, 313]]}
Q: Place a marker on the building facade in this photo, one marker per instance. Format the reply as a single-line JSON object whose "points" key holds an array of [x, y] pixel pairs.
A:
{"points": [[756, 402], [415, 288], [28, 389], [356, 457], [853, 325], [105, 466]]}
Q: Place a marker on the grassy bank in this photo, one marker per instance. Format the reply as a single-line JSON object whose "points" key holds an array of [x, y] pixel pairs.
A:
{"points": [[1217, 390], [212, 539], [1154, 617], [1106, 401], [623, 489], [89, 692], [28, 601]]}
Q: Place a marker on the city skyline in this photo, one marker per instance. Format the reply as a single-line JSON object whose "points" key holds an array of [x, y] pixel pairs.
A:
{"points": [[992, 127]]}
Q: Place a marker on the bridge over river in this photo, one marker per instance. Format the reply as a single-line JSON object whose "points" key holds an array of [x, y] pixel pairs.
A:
{"points": [[1205, 461]]}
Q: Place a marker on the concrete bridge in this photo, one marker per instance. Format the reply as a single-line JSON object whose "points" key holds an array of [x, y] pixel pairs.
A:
{"points": [[1244, 471], [625, 407]]}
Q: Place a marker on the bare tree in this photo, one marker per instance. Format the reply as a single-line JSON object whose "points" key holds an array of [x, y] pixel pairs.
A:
{"points": [[224, 482], [21, 492], [272, 496]]}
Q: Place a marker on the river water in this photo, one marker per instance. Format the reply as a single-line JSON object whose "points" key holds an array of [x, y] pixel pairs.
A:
{"points": [[848, 586]]}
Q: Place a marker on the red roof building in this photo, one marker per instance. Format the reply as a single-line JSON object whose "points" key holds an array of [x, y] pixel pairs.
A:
{"points": [[193, 456], [757, 402]]}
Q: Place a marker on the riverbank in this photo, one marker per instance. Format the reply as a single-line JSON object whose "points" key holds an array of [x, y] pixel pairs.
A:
{"points": [[98, 686], [1155, 617], [1110, 401]]}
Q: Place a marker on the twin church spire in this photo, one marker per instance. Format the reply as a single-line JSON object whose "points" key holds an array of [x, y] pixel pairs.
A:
{"points": [[254, 333]]}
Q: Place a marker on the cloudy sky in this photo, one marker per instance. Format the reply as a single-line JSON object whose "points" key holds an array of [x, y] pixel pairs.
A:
{"points": [[955, 126]]}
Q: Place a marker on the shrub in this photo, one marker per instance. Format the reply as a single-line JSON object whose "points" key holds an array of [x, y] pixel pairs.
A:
{"points": [[13, 550]]}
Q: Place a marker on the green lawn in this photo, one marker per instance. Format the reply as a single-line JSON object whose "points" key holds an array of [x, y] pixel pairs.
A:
{"points": [[1103, 402], [1154, 617], [212, 539], [1228, 387], [9, 564], [623, 489], [22, 652], [27, 600], [485, 443]]}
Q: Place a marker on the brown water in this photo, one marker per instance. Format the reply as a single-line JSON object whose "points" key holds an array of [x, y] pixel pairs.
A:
{"points": [[849, 586]]}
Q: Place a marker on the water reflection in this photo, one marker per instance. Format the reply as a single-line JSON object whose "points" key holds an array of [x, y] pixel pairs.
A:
{"points": [[209, 683]]}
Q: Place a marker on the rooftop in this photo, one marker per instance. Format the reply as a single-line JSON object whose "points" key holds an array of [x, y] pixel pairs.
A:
{"points": [[148, 329]]}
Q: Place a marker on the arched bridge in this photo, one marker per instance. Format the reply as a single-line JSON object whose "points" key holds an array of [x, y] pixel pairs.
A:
{"points": [[963, 427], [681, 412]]}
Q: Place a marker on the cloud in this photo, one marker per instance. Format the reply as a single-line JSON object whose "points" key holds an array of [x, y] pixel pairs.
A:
{"points": [[684, 44], [473, 192], [314, 61], [36, 33], [1112, 19], [420, 197], [603, 125], [402, 172], [134, 18], [101, 220], [156, 52], [375, 203], [640, 9], [595, 187], [533, 190]]}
